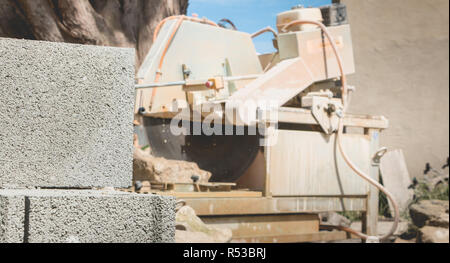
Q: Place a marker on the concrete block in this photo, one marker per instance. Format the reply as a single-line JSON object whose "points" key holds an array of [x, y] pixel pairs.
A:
{"points": [[85, 216], [66, 114], [12, 217]]}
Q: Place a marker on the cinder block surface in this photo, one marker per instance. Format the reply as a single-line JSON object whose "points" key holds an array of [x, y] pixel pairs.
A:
{"points": [[12, 216], [76, 216], [66, 115]]}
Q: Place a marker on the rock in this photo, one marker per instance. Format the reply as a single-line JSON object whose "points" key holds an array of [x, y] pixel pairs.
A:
{"points": [[149, 168], [411, 233], [430, 234], [195, 231], [186, 237], [334, 219], [403, 241], [430, 213]]}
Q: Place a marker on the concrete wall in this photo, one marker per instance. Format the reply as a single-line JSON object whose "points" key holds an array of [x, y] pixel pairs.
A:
{"points": [[66, 114], [59, 216], [402, 64]]}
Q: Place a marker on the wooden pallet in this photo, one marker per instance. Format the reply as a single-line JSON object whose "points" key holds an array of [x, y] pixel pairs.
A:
{"points": [[186, 190], [191, 187], [214, 195]]}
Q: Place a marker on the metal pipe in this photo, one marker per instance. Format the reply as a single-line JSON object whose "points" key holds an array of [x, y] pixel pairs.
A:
{"points": [[254, 76], [160, 85], [183, 82]]}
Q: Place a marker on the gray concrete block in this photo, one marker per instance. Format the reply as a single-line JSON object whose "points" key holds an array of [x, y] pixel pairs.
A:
{"points": [[12, 218], [85, 216], [66, 114]]}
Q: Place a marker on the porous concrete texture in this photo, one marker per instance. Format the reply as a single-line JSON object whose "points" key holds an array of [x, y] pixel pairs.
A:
{"points": [[12, 217], [85, 216], [402, 65], [66, 114]]}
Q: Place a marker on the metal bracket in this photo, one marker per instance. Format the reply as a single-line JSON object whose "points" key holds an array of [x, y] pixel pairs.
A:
{"points": [[324, 110], [186, 72], [376, 159]]}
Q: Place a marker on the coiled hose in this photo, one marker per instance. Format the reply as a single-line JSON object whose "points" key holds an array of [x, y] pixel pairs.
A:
{"points": [[345, 102]]}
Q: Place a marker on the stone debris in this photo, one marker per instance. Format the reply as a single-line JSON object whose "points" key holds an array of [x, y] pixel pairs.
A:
{"points": [[431, 217], [334, 219], [191, 229], [430, 234], [404, 241], [430, 213], [149, 168]]}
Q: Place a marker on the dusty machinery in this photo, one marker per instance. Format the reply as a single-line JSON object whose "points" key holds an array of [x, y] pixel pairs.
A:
{"points": [[273, 124]]}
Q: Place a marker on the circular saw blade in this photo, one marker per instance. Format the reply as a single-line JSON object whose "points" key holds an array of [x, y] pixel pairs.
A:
{"points": [[226, 157]]}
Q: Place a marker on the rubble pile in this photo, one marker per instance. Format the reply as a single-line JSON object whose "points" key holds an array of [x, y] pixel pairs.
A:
{"points": [[149, 168], [191, 229], [430, 211], [431, 217]]}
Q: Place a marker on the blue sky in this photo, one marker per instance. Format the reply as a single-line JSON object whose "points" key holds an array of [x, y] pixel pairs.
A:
{"points": [[249, 15]]}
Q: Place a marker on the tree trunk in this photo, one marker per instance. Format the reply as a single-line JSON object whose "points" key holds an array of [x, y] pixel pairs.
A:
{"points": [[119, 23]]}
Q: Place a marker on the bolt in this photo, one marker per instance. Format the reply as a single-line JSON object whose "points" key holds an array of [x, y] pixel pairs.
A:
{"points": [[195, 178], [142, 110], [209, 84], [138, 185], [331, 108]]}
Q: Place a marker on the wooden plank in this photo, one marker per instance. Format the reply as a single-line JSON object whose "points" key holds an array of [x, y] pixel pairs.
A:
{"points": [[276, 205], [396, 178], [216, 187], [267, 157], [232, 194], [264, 225], [190, 187], [371, 220], [217, 184], [323, 236], [309, 164]]}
